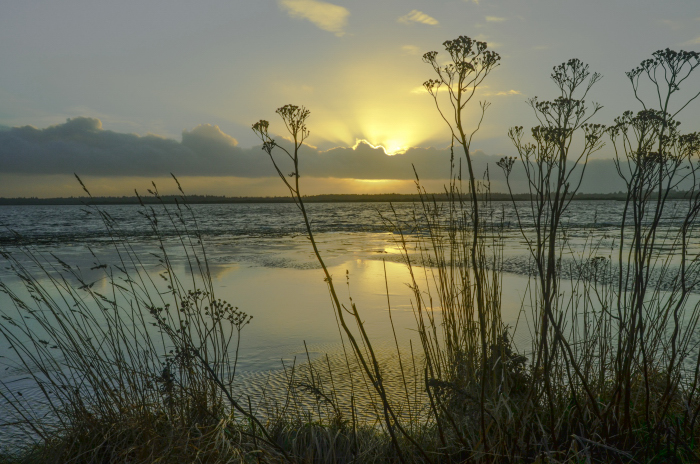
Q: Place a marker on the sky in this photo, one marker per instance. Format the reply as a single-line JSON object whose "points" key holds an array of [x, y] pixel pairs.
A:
{"points": [[123, 93]]}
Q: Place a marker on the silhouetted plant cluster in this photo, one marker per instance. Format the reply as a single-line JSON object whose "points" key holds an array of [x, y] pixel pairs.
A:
{"points": [[612, 371]]}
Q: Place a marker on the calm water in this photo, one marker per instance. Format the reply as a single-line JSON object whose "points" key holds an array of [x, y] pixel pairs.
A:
{"points": [[76, 224], [253, 248], [261, 234]]}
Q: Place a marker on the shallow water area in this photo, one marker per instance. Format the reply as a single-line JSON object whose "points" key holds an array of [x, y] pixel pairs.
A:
{"points": [[261, 262], [279, 282]]}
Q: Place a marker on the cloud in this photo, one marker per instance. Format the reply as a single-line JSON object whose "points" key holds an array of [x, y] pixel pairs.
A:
{"points": [[211, 135], [484, 38], [695, 41], [415, 16], [326, 16], [419, 90], [495, 19], [508, 93], [82, 146], [673, 25], [411, 50]]}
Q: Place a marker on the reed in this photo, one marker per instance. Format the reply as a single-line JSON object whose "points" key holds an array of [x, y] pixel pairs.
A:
{"points": [[612, 373], [141, 368]]}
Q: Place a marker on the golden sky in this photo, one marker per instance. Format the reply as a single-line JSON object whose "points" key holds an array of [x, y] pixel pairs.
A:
{"points": [[154, 87]]}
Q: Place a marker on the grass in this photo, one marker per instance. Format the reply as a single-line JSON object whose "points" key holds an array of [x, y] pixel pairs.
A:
{"points": [[145, 370]]}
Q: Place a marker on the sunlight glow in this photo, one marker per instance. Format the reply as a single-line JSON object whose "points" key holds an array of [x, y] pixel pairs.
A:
{"points": [[379, 186], [378, 106], [390, 147], [373, 181]]}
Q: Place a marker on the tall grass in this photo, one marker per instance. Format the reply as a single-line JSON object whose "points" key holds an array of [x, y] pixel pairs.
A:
{"points": [[612, 373], [141, 369]]}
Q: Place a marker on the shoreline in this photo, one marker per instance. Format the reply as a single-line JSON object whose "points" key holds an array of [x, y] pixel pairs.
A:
{"points": [[325, 198]]}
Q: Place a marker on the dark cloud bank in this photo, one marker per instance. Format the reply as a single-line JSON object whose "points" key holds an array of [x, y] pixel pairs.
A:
{"points": [[81, 146]]}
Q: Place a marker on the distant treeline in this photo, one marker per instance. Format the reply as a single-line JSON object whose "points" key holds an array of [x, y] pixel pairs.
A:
{"points": [[327, 198]]}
